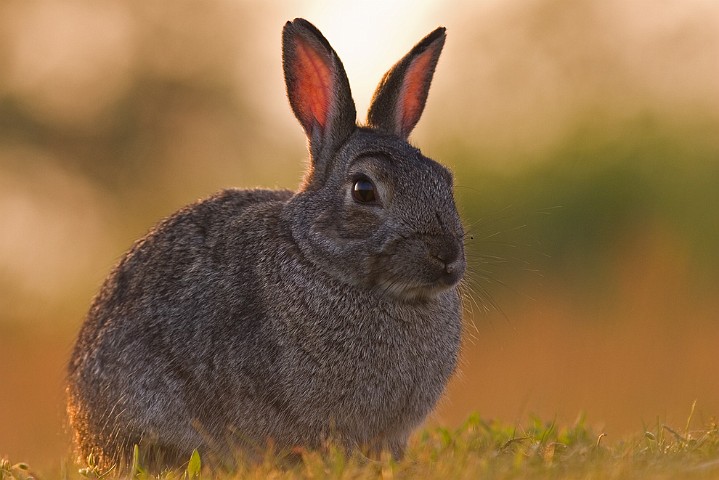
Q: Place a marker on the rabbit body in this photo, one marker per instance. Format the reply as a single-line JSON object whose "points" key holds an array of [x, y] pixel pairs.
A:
{"points": [[296, 318]]}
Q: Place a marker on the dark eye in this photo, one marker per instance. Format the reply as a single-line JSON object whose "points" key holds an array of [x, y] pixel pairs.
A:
{"points": [[363, 191]]}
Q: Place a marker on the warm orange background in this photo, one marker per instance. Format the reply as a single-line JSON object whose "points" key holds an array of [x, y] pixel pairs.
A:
{"points": [[584, 137]]}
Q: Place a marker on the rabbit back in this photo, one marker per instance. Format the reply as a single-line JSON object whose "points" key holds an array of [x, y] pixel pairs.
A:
{"points": [[149, 359]]}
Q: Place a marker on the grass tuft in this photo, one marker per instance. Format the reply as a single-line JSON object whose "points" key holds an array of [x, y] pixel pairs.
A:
{"points": [[477, 449]]}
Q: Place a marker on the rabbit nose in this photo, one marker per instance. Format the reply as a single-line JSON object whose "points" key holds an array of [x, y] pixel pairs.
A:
{"points": [[449, 261], [452, 267], [449, 254], [445, 249]]}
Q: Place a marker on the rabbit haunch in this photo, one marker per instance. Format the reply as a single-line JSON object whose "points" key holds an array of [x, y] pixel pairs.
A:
{"points": [[259, 316]]}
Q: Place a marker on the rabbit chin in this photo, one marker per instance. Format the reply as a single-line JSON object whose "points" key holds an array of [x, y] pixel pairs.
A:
{"points": [[413, 291]]}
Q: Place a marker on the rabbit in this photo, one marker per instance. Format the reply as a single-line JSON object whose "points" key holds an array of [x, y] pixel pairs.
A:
{"points": [[330, 315]]}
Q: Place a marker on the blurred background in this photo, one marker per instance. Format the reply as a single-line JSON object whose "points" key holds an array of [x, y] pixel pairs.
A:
{"points": [[584, 136]]}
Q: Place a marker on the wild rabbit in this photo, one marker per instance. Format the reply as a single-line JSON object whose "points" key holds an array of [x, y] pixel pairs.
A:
{"points": [[330, 314]]}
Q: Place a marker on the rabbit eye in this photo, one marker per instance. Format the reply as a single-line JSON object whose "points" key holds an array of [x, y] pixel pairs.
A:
{"points": [[363, 191]]}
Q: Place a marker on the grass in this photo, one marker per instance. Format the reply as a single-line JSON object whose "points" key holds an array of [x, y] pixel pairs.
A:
{"points": [[478, 449]]}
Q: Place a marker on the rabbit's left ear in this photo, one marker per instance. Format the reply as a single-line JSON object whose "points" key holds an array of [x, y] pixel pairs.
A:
{"points": [[400, 97]]}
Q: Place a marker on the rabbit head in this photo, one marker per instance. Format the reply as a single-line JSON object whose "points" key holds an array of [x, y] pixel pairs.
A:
{"points": [[372, 210]]}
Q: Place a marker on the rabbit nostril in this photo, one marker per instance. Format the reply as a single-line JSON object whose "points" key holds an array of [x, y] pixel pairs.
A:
{"points": [[440, 257], [449, 261], [456, 267], [447, 256], [451, 264]]}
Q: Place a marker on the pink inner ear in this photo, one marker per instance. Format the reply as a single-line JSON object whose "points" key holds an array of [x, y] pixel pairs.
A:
{"points": [[313, 86], [414, 92]]}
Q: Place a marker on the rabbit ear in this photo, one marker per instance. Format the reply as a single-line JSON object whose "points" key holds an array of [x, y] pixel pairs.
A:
{"points": [[317, 88], [400, 97]]}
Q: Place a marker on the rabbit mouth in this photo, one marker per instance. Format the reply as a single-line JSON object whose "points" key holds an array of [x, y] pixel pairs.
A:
{"points": [[414, 288], [420, 267], [411, 291]]}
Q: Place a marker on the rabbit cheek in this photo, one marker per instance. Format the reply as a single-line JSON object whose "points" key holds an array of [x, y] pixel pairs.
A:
{"points": [[400, 271], [358, 223], [350, 224]]}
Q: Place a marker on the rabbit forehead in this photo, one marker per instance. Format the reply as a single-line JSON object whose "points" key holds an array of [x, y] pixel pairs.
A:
{"points": [[393, 157]]}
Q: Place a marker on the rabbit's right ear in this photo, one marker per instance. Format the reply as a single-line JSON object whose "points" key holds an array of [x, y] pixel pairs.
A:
{"points": [[318, 91], [400, 97]]}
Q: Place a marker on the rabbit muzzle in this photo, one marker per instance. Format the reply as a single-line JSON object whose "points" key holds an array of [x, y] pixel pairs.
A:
{"points": [[448, 255], [421, 266]]}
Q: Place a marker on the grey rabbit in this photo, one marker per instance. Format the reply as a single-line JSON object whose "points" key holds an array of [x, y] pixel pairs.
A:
{"points": [[255, 317]]}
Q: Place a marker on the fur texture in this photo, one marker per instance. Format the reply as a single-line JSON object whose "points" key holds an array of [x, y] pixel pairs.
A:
{"points": [[260, 316]]}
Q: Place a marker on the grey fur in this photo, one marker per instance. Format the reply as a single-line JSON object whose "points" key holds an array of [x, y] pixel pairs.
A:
{"points": [[260, 316]]}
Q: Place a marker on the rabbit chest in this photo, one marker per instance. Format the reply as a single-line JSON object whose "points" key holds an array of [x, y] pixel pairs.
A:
{"points": [[359, 359]]}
